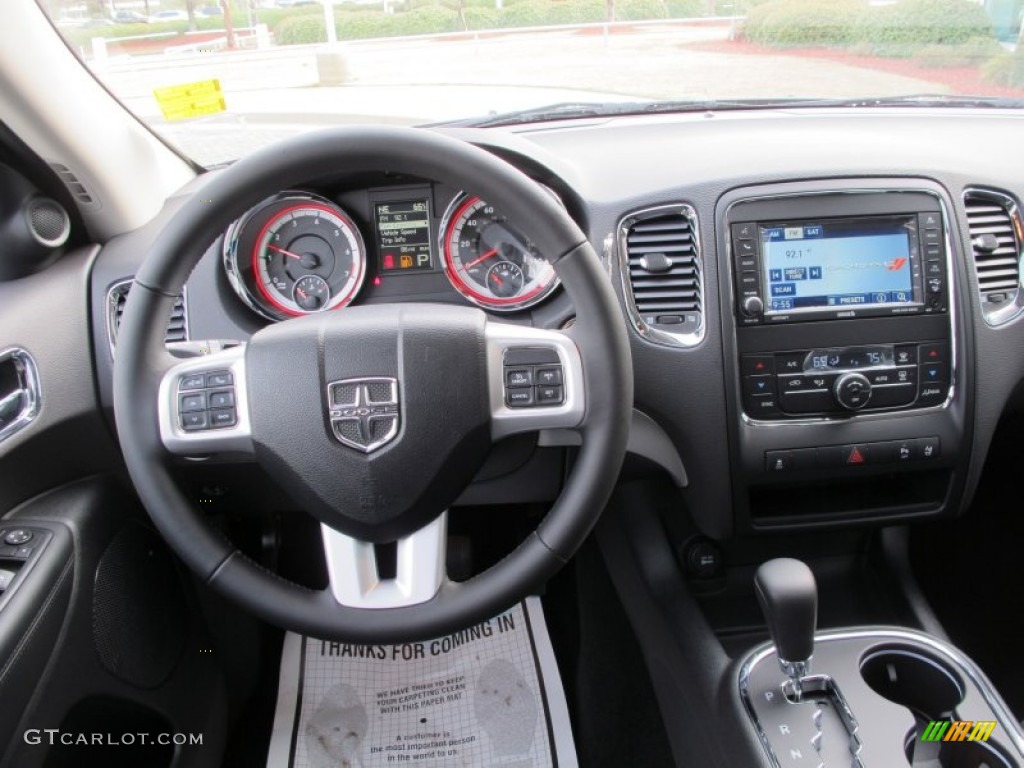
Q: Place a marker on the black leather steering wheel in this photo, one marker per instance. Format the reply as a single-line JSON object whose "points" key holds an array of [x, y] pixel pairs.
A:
{"points": [[427, 380]]}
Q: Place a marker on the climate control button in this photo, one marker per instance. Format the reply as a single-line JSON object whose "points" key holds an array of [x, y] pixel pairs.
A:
{"points": [[852, 391]]}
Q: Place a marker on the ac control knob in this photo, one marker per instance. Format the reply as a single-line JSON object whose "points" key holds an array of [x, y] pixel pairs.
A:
{"points": [[852, 391], [753, 306]]}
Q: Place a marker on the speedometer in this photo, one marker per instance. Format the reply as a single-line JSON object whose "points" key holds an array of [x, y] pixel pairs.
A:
{"points": [[295, 254], [489, 261]]}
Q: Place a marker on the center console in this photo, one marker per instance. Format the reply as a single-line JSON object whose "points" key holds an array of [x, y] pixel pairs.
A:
{"points": [[871, 696], [844, 349]]}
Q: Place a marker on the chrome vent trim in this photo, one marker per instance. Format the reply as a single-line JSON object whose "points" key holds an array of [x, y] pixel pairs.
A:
{"points": [[670, 287], [20, 405], [996, 232], [177, 325]]}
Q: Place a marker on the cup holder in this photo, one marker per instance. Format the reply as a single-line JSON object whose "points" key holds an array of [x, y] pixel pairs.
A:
{"points": [[954, 754], [931, 691], [910, 678]]}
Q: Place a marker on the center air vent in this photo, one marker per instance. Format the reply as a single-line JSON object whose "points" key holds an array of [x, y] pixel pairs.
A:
{"points": [[997, 237], [177, 327], [661, 270]]}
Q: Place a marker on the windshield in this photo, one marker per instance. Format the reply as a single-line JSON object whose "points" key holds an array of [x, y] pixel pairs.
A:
{"points": [[218, 80]]}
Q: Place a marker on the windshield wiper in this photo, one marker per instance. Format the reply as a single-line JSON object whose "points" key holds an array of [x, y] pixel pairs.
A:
{"points": [[566, 110], [574, 110], [577, 110], [912, 100], [936, 100]]}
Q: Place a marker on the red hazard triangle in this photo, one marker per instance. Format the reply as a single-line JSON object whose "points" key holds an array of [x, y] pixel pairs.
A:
{"points": [[855, 457]]}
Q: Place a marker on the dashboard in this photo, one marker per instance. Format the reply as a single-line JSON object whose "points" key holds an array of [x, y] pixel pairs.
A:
{"points": [[825, 306]]}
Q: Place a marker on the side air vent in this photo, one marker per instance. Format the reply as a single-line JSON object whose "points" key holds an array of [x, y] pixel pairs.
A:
{"points": [[661, 269], [997, 243], [75, 187], [177, 327]]}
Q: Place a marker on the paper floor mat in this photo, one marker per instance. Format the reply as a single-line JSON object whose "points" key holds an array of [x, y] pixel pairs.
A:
{"points": [[485, 696]]}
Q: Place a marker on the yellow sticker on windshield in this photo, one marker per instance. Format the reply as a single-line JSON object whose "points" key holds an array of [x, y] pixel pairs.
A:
{"points": [[180, 102]]}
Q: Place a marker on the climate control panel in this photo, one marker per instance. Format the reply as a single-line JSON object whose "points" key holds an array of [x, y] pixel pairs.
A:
{"points": [[838, 381]]}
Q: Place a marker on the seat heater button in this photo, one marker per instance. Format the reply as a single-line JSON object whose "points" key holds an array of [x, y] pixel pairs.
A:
{"points": [[17, 537], [926, 448]]}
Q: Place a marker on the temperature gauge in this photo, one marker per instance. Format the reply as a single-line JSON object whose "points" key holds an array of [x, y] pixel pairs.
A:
{"points": [[311, 293]]}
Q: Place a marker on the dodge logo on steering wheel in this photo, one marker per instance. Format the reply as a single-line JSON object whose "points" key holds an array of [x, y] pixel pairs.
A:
{"points": [[364, 412]]}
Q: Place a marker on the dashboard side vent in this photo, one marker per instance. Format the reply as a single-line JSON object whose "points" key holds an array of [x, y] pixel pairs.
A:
{"points": [[177, 326], [74, 186], [997, 244], [661, 268], [996, 236]]}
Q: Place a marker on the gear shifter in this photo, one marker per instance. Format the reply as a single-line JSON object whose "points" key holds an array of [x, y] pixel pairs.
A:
{"points": [[788, 596]]}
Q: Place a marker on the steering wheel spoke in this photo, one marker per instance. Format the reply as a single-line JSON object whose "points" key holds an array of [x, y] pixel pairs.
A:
{"points": [[203, 405], [535, 378], [354, 568]]}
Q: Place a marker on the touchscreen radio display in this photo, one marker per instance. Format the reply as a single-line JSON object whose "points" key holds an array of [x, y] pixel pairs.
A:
{"points": [[838, 263]]}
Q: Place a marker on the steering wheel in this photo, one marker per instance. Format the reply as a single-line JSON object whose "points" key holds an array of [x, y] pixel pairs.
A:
{"points": [[373, 418]]}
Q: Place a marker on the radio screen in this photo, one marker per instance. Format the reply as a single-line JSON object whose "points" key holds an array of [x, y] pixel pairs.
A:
{"points": [[838, 263]]}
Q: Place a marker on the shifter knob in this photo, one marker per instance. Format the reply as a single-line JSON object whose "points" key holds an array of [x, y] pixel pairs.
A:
{"points": [[788, 596]]}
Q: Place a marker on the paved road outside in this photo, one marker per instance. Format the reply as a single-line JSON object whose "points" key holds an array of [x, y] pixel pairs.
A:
{"points": [[275, 93]]}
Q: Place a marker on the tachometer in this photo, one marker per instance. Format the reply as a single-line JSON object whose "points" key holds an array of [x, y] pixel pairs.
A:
{"points": [[295, 254], [489, 261]]}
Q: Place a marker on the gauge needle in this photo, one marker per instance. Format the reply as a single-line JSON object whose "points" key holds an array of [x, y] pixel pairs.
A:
{"points": [[302, 293], [497, 279], [473, 263], [289, 254]]}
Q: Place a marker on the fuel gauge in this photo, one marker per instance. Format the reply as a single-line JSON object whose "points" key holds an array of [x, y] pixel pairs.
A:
{"points": [[311, 293], [505, 279]]}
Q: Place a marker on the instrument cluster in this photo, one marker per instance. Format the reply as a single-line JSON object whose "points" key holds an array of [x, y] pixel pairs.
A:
{"points": [[298, 253]]}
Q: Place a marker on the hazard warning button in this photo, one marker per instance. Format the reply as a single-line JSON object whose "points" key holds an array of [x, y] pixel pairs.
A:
{"points": [[856, 454]]}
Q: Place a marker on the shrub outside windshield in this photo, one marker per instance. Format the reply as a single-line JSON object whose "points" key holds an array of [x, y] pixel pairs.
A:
{"points": [[217, 80]]}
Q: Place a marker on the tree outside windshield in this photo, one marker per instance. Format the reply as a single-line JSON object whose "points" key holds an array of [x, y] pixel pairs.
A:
{"points": [[220, 79]]}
